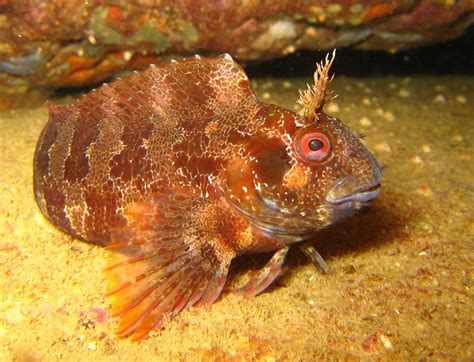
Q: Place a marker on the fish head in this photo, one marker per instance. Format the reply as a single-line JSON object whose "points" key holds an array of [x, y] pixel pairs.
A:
{"points": [[298, 176]]}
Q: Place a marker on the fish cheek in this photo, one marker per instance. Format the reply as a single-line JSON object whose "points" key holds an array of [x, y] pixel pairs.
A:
{"points": [[272, 167], [279, 180]]}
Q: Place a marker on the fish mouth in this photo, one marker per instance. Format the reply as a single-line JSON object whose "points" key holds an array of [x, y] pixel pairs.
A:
{"points": [[362, 195]]}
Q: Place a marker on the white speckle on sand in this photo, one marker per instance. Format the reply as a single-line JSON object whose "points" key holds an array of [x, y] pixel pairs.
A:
{"points": [[365, 122], [416, 160], [13, 316], [457, 138], [439, 98], [388, 116], [404, 93], [333, 107], [460, 99], [383, 147], [425, 191], [426, 148], [385, 341]]}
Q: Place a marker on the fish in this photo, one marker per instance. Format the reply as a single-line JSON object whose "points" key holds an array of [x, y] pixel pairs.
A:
{"points": [[179, 168]]}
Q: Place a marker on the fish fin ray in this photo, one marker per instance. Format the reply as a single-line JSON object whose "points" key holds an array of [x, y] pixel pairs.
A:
{"points": [[265, 276], [160, 270], [313, 99]]}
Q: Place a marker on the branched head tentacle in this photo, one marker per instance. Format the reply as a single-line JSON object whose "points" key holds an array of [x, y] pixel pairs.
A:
{"points": [[313, 99]]}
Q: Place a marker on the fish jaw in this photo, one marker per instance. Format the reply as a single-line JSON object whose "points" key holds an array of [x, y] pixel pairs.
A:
{"points": [[356, 191], [362, 195]]}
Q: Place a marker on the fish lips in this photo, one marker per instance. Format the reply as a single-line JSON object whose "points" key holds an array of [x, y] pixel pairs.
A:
{"points": [[344, 194]]}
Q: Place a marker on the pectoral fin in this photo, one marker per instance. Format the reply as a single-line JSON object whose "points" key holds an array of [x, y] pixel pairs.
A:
{"points": [[161, 263]]}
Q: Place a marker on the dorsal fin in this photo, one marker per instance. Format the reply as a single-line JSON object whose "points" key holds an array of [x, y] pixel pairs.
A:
{"points": [[179, 92], [313, 99], [58, 112]]}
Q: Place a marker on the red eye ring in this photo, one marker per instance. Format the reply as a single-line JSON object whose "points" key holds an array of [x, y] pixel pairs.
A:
{"points": [[313, 146]]}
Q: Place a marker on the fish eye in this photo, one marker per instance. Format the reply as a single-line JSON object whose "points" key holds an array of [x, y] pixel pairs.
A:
{"points": [[313, 146]]}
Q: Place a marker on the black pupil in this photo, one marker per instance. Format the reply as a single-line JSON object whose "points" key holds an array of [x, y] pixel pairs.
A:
{"points": [[315, 144]]}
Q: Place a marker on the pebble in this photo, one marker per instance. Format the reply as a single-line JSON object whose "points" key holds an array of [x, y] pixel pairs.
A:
{"points": [[266, 95], [388, 116], [457, 138], [461, 99], [464, 157], [416, 160], [286, 84], [379, 112], [333, 107], [13, 316], [366, 101], [403, 93], [365, 122], [439, 99], [425, 191], [92, 346], [426, 148], [383, 147], [385, 342]]}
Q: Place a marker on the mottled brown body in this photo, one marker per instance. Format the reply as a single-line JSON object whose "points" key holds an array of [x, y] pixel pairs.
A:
{"points": [[132, 138], [180, 168]]}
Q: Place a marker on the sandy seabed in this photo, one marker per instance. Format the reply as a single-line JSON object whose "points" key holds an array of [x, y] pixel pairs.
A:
{"points": [[401, 286]]}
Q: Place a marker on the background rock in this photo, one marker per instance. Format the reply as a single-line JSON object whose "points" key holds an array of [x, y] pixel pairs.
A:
{"points": [[46, 44]]}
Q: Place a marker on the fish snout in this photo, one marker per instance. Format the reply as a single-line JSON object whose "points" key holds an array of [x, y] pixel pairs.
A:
{"points": [[353, 189]]}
